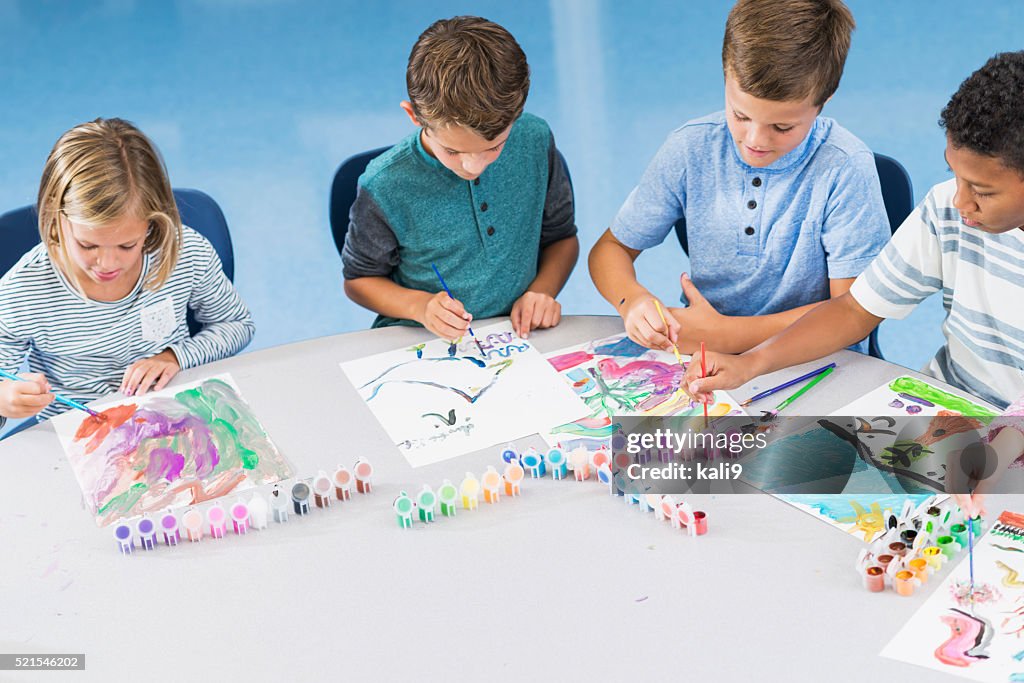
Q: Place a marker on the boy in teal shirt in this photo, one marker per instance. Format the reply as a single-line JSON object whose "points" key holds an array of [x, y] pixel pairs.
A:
{"points": [[480, 191]]}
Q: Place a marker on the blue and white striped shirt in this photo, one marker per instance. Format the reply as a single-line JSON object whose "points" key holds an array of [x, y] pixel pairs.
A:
{"points": [[84, 346], [981, 277]]}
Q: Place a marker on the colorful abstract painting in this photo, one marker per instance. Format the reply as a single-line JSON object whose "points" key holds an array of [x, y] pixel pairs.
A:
{"points": [[912, 396], [862, 515], [179, 446], [618, 377], [983, 639], [439, 400]]}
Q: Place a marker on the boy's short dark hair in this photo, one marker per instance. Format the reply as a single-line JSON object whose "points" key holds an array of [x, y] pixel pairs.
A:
{"points": [[986, 114], [787, 50], [470, 72]]}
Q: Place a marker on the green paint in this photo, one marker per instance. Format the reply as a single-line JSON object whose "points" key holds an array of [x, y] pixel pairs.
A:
{"points": [[943, 399], [125, 501]]}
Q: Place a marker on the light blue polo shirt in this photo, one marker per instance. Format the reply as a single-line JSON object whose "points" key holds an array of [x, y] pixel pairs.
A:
{"points": [[761, 240]]}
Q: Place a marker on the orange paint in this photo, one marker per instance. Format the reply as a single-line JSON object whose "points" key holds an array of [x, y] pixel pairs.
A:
{"points": [[99, 427]]}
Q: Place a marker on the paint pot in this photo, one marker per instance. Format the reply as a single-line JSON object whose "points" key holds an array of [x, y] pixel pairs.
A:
{"points": [[653, 501], [490, 482], [193, 523], [364, 475], [513, 477], [510, 454], [258, 511], [919, 566], [898, 548], [218, 521], [959, 533], [933, 555], [426, 501], [403, 506], [342, 483], [447, 495], [580, 462], [147, 533], [123, 537], [169, 526], [556, 459], [300, 498], [598, 458], [700, 522], [976, 526], [948, 546], [683, 518], [905, 583], [884, 561], [604, 476], [470, 491], [322, 490], [621, 462], [668, 509], [908, 536], [240, 517], [533, 462], [874, 579], [278, 505]]}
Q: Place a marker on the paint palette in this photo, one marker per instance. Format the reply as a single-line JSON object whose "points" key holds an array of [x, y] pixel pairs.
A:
{"points": [[180, 446]]}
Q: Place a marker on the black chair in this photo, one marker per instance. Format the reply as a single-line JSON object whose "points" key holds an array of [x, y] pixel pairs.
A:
{"points": [[344, 186], [19, 232], [898, 196]]}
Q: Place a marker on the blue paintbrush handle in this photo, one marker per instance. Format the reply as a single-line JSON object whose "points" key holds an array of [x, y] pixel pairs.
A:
{"points": [[66, 401], [769, 392], [448, 291]]}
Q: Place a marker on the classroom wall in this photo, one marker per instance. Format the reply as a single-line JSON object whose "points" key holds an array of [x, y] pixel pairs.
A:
{"points": [[258, 101]]}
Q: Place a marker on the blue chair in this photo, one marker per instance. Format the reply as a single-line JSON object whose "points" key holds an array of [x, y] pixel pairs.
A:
{"points": [[344, 186], [19, 232], [898, 196]]}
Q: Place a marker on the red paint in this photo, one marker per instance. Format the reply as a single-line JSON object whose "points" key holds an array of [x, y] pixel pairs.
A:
{"points": [[98, 427]]}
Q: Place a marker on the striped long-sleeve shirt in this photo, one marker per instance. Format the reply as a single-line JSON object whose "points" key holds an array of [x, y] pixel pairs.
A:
{"points": [[981, 277], [84, 346]]}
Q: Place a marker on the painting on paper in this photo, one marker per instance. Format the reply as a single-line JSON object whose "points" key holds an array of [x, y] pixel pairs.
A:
{"points": [[912, 396], [174, 447], [616, 376], [438, 400], [980, 639]]}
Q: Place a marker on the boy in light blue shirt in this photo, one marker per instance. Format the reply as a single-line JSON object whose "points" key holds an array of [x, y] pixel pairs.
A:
{"points": [[783, 207]]}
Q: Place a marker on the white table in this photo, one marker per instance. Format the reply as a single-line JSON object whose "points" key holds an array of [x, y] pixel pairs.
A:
{"points": [[565, 583]]}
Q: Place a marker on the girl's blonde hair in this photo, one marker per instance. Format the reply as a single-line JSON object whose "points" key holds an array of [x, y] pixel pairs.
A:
{"points": [[98, 172]]}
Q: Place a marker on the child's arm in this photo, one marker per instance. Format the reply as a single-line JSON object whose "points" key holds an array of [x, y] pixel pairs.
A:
{"points": [[439, 313], [1008, 445], [227, 328], [611, 268], [700, 322], [831, 326], [559, 250], [25, 398]]}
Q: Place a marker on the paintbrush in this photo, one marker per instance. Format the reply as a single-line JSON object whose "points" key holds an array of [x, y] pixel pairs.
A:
{"points": [[970, 555], [770, 415], [449, 293], [703, 374], [66, 401], [786, 385], [675, 349]]}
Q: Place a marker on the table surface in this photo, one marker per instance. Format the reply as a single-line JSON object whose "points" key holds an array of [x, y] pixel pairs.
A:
{"points": [[565, 581]]}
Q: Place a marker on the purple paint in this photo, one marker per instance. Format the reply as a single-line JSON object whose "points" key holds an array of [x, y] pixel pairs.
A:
{"points": [[164, 464], [913, 410], [917, 399], [169, 523], [895, 403], [123, 536], [147, 533]]}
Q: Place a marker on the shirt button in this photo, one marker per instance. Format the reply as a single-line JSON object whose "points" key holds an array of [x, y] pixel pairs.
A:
{"points": [[490, 230], [751, 204], [476, 181], [756, 182], [483, 207], [749, 230]]}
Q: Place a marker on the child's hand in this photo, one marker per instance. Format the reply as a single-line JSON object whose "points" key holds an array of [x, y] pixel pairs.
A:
{"points": [[699, 319], [972, 505], [25, 398], [644, 325], [154, 372], [445, 317], [724, 372], [535, 310]]}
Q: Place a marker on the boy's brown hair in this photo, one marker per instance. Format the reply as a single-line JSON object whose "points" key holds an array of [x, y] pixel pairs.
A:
{"points": [[470, 72], [787, 50]]}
